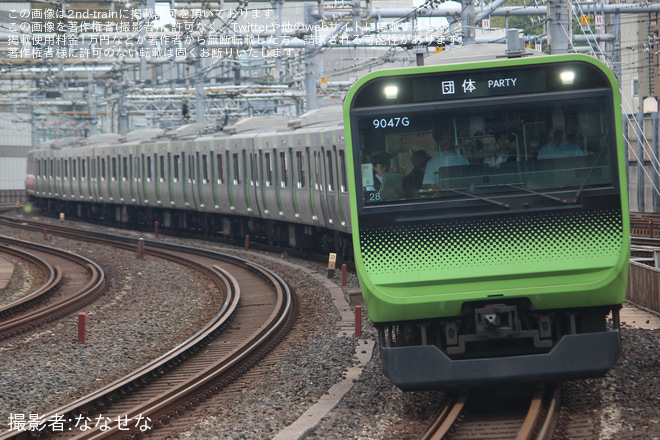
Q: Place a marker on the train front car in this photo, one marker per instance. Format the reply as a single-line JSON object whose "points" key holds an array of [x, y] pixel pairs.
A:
{"points": [[490, 219]]}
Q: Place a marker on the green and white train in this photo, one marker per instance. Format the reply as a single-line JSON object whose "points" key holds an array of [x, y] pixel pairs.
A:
{"points": [[490, 219]]}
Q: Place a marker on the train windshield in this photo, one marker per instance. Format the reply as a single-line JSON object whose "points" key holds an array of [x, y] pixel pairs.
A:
{"points": [[485, 148]]}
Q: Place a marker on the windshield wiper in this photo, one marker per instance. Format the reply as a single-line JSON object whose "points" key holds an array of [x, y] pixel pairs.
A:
{"points": [[474, 196], [593, 167], [547, 196]]}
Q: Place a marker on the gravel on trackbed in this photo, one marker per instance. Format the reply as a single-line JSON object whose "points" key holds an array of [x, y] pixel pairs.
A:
{"points": [[46, 368]]}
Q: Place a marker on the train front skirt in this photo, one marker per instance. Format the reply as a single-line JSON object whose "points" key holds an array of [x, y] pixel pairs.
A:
{"points": [[425, 367]]}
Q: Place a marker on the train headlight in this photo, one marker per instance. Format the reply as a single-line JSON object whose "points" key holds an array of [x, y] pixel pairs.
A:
{"points": [[567, 78], [391, 92]]}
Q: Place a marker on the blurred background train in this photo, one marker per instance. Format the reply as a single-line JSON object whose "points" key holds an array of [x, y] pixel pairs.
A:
{"points": [[502, 262], [282, 181]]}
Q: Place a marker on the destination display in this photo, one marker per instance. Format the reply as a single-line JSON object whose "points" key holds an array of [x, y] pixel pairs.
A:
{"points": [[478, 83]]}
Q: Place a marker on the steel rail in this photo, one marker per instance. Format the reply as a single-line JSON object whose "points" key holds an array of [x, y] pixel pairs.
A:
{"points": [[443, 421], [95, 285], [52, 274], [186, 395], [538, 422]]}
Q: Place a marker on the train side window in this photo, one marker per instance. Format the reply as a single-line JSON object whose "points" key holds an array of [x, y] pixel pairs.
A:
{"points": [[83, 168], [284, 166], [300, 159], [92, 170], [136, 165], [74, 166], [114, 169], [260, 164], [269, 169], [237, 169], [221, 168], [176, 167], [102, 170], [66, 169], [252, 173], [149, 169], [124, 174], [161, 163], [191, 170], [205, 169], [344, 181], [331, 173]]}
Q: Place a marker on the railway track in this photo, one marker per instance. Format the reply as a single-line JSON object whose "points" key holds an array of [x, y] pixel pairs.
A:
{"points": [[496, 414], [147, 399], [59, 295]]}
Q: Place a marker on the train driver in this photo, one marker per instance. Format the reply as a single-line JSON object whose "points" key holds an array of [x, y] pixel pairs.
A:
{"points": [[381, 165], [446, 157], [558, 148]]}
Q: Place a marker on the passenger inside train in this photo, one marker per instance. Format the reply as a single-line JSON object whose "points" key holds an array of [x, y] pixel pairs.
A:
{"points": [[485, 152]]}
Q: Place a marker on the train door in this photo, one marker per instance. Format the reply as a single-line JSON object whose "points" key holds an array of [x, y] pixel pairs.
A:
{"points": [[284, 159], [51, 177], [178, 180], [122, 174], [129, 160], [93, 177], [270, 204], [318, 186], [240, 179], [58, 177], [105, 178], [138, 183], [221, 186], [86, 178], [301, 186], [65, 181], [77, 178], [114, 177], [150, 180], [160, 177], [330, 187], [304, 188], [187, 174], [342, 180], [252, 161], [204, 189], [260, 178]]}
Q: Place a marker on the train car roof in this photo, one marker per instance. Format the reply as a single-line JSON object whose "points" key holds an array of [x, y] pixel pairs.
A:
{"points": [[188, 130], [100, 139], [326, 115], [142, 135], [258, 123], [57, 144]]}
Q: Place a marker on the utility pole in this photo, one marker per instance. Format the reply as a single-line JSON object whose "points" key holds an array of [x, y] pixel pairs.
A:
{"points": [[309, 58], [467, 25], [199, 90], [122, 110], [91, 104], [277, 11], [559, 28]]}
